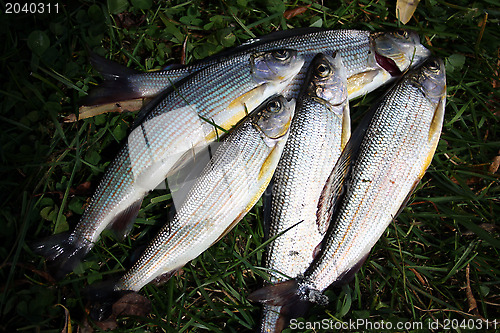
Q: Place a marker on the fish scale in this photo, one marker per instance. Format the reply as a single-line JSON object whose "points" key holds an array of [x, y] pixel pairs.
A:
{"points": [[368, 64], [352, 45], [170, 127], [308, 159], [307, 162], [381, 165], [395, 152], [181, 119], [228, 187]]}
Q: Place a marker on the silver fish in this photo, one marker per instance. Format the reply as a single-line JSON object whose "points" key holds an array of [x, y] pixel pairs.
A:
{"points": [[191, 115], [320, 129], [390, 155], [371, 59], [228, 187]]}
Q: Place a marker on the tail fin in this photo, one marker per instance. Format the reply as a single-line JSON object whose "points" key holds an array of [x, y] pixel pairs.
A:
{"points": [[279, 294], [62, 252], [287, 293], [116, 86]]}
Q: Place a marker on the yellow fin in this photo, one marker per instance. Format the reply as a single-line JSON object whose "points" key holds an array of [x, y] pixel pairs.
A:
{"points": [[346, 126], [434, 134], [358, 81], [240, 106]]}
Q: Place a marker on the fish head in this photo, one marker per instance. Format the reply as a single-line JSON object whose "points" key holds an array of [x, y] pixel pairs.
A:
{"points": [[431, 79], [274, 116], [276, 65], [327, 79], [398, 50]]}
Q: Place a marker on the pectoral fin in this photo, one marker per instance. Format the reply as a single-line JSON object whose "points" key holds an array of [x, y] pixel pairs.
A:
{"points": [[346, 126], [124, 221], [434, 134]]}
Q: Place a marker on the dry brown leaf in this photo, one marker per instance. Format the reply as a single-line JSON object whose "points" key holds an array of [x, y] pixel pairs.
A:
{"points": [[423, 282], [123, 106], [470, 297], [70, 119], [288, 14], [132, 304], [109, 324], [495, 164], [405, 9], [183, 55], [67, 320]]}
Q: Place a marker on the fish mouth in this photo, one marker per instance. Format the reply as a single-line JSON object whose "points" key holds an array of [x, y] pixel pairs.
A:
{"points": [[388, 64]]}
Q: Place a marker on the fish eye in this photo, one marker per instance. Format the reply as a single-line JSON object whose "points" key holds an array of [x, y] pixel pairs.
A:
{"points": [[322, 70], [402, 33], [433, 66], [274, 106], [281, 54]]}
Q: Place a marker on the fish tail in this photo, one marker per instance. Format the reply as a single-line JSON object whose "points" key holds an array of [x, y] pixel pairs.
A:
{"points": [[278, 294], [62, 252], [116, 85], [287, 293]]}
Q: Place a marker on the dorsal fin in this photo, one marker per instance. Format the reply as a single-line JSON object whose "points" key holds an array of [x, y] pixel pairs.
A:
{"points": [[277, 35]]}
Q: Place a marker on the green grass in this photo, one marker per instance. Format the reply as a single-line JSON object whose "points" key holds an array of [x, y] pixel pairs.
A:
{"points": [[439, 256]]}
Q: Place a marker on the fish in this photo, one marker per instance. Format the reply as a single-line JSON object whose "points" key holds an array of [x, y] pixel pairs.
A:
{"points": [[373, 180], [319, 131], [198, 111], [227, 188], [371, 59]]}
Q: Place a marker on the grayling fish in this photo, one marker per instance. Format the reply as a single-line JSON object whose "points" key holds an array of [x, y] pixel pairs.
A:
{"points": [[371, 59], [390, 156], [228, 187], [189, 116], [320, 124]]}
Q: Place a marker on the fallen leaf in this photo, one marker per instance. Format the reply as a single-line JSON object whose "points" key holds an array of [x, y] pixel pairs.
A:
{"points": [[70, 119], [67, 321], [127, 20], [123, 106], [295, 11], [132, 304], [109, 324], [83, 188], [183, 55], [470, 297], [495, 164], [405, 9]]}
